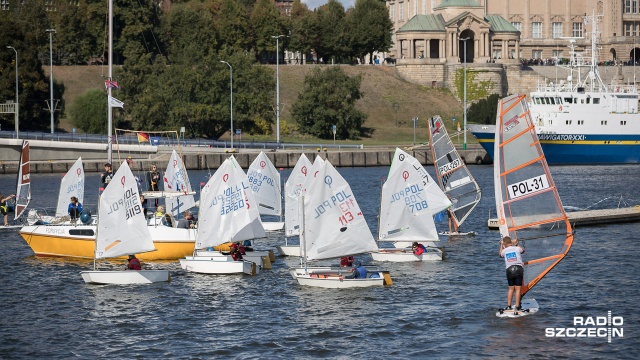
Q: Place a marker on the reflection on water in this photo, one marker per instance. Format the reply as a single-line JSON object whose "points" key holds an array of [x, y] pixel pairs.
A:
{"points": [[434, 309]]}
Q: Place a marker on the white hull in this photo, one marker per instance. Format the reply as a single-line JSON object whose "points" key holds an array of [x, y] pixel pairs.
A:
{"points": [[273, 226], [330, 278], [455, 233], [261, 258], [289, 250], [408, 244], [406, 255], [126, 277], [222, 267]]}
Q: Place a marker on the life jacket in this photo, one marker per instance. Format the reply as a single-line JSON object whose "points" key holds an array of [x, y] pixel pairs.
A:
{"points": [[361, 272], [134, 264]]}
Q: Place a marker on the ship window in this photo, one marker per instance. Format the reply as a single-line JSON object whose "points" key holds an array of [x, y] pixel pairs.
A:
{"points": [[581, 101], [603, 122], [580, 122], [553, 101], [568, 122], [546, 100], [588, 100], [623, 122], [81, 232], [596, 100], [558, 100], [575, 100], [568, 100]]}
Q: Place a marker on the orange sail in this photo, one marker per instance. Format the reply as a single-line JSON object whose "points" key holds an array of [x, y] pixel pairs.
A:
{"points": [[527, 201]]}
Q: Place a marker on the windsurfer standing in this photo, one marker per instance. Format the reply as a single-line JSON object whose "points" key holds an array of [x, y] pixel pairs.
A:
{"points": [[511, 253]]}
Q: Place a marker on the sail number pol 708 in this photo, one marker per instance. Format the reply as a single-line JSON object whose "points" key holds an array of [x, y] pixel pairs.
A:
{"points": [[528, 186]]}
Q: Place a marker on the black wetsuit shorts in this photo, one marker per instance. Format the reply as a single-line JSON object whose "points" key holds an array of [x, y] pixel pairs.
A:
{"points": [[515, 275]]}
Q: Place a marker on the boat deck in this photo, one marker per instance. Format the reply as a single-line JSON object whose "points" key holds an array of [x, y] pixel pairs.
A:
{"points": [[594, 217]]}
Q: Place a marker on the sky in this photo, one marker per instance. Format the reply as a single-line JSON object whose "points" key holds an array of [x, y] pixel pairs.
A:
{"points": [[312, 4]]}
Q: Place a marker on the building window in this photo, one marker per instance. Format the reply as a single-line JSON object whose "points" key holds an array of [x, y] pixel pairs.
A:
{"points": [[556, 28], [627, 6], [401, 15], [536, 30], [517, 25], [577, 29], [536, 54], [556, 54], [634, 6]]}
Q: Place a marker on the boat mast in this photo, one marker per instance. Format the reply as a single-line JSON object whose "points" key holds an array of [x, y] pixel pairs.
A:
{"points": [[110, 59], [303, 243]]}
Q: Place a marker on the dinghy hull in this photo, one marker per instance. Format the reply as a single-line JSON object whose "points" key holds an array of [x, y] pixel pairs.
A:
{"points": [[331, 278], [125, 277], [220, 267], [405, 255], [289, 250]]}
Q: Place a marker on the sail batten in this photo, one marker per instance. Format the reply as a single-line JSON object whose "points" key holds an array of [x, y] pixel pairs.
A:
{"points": [[527, 201]]}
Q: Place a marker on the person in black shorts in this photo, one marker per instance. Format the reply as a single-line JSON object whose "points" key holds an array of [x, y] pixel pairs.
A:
{"points": [[512, 254]]}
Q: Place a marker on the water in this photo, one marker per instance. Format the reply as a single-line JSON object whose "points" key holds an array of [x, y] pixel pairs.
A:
{"points": [[442, 310]]}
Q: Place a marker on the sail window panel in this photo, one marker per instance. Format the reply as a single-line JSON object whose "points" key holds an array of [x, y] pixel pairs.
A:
{"points": [[531, 209], [518, 152], [532, 271]]}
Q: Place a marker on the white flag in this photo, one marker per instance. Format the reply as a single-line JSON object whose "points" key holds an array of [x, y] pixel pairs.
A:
{"points": [[113, 102]]}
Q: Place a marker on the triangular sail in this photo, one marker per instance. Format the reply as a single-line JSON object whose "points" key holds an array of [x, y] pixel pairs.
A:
{"points": [[436, 199], [23, 191], [176, 179], [122, 228], [228, 211], [527, 201], [72, 184], [453, 175], [333, 222], [292, 189], [264, 180], [405, 213]]}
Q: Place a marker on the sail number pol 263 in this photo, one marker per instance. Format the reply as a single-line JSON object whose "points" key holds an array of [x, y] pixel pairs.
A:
{"points": [[528, 186]]}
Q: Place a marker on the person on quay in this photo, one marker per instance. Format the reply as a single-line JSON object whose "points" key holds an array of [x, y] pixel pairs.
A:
{"points": [[512, 254]]}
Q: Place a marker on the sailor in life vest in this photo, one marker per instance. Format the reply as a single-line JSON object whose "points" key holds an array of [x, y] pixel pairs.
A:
{"points": [[133, 263]]}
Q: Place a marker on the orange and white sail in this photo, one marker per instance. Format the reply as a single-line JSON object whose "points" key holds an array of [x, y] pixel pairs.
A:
{"points": [[527, 201]]}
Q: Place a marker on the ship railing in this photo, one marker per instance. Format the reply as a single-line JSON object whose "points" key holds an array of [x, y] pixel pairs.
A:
{"points": [[623, 89]]}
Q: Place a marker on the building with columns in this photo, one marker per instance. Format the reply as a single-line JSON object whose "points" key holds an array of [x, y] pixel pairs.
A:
{"points": [[504, 31]]}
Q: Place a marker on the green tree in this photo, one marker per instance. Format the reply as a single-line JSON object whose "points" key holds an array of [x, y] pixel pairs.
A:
{"points": [[185, 46], [484, 111], [232, 26], [265, 23], [369, 28], [89, 112], [328, 27], [300, 23], [328, 98], [74, 43]]}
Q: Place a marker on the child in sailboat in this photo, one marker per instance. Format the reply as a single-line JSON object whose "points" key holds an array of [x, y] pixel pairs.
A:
{"points": [[418, 249], [133, 263], [511, 252], [75, 208], [346, 261]]}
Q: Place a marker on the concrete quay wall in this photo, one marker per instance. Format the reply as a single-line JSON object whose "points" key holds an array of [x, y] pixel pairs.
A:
{"points": [[280, 159]]}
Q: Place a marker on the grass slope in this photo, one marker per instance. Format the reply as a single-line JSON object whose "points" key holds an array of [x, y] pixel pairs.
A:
{"points": [[381, 86]]}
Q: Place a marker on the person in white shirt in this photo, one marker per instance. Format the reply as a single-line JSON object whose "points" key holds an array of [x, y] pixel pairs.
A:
{"points": [[512, 254]]}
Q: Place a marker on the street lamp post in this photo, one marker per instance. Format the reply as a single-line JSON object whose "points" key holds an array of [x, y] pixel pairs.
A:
{"points": [[51, 106], [231, 96], [277, 37], [464, 144], [415, 122], [17, 108]]}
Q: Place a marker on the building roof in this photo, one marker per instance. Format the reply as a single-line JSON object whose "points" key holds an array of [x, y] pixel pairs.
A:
{"points": [[499, 24], [451, 3], [423, 23]]}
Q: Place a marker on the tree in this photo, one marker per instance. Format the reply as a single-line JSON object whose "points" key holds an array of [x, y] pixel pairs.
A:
{"points": [[300, 26], [89, 112], [328, 98], [484, 111], [369, 28], [183, 45], [328, 27], [265, 23], [232, 26]]}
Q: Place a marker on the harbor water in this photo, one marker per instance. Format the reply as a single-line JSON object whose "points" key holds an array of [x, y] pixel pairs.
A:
{"points": [[437, 309]]}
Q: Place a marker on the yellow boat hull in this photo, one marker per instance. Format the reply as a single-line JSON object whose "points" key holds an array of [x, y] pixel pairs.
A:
{"points": [[46, 242]]}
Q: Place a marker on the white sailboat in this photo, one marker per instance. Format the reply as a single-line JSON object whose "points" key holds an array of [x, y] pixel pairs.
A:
{"points": [[405, 212], [122, 230], [72, 184], [454, 177], [332, 225], [178, 193], [264, 182], [527, 201], [292, 190], [228, 213], [435, 198]]}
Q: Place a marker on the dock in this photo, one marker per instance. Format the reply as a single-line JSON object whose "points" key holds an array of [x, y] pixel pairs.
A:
{"points": [[594, 217]]}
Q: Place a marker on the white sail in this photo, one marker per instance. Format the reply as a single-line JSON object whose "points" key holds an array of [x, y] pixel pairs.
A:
{"points": [[436, 199], [527, 201], [405, 212], [264, 180], [72, 184], [122, 228], [313, 173], [176, 179], [23, 191], [292, 189], [228, 211], [334, 225], [453, 175]]}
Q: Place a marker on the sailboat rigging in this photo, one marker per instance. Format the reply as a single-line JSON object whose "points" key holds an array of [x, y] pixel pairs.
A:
{"points": [[527, 200]]}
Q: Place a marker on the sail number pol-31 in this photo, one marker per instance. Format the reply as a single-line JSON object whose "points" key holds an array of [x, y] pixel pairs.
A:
{"points": [[528, 186]]}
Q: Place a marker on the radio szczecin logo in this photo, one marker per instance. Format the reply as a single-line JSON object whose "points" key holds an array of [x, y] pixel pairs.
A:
{"points": [[590, 327]]}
